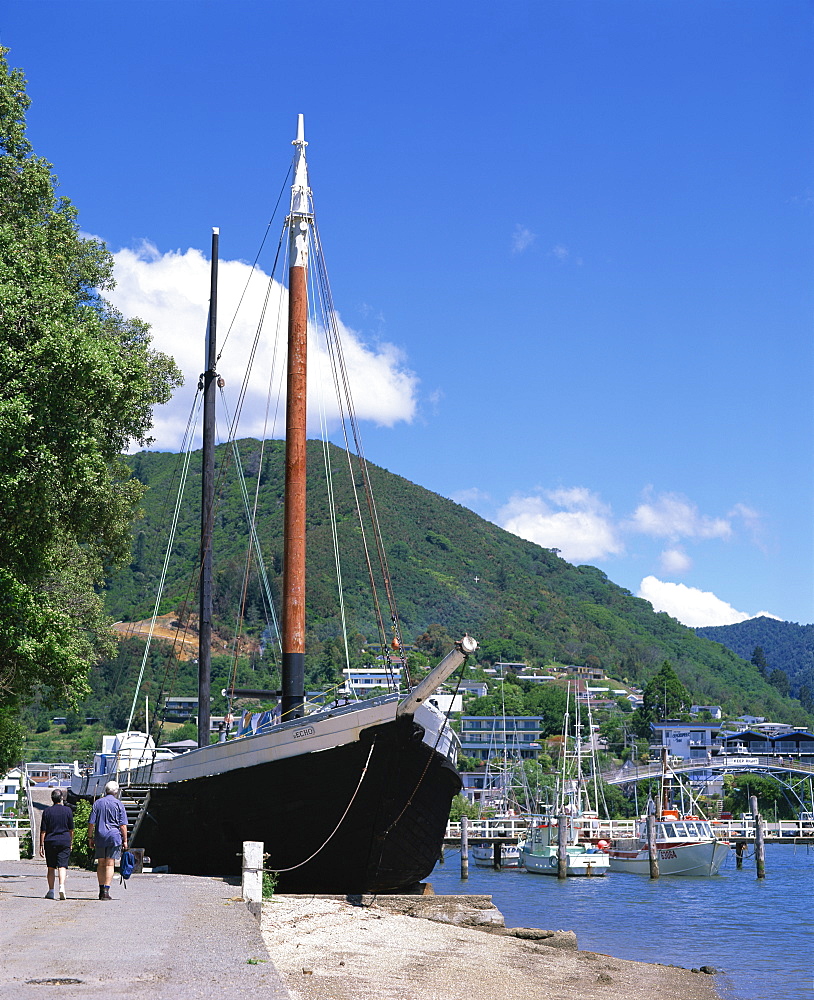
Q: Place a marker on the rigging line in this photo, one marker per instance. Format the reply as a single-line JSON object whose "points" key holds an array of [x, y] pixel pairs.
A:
{"points": [[251, 512], [129, 632], [341, 819], [254, 264], [251, 520], [345, 400], [176, 513], [241, 397], [377, 534], [332, 519]]}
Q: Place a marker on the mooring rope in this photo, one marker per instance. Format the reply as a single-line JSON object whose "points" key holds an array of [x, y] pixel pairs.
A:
{"points": [[341, 819]]}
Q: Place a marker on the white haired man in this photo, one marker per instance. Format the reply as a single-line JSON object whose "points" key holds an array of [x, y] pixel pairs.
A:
{"points": [[107, 835]]}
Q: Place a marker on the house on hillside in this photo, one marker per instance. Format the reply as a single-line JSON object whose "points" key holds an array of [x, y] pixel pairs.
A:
{"points": [[714, 710]]}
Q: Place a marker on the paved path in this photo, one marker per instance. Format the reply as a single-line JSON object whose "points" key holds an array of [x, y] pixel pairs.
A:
{"points": [[164, 937]]}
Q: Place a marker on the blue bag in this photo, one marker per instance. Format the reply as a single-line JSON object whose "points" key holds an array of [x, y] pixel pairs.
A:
{"points": [[126, 865]]}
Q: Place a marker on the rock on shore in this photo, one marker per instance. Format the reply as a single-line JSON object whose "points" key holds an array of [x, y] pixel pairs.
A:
{"points": [[374, 948]]}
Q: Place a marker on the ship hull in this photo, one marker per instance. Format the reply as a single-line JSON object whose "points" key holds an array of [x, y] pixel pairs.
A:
{"points": [[366, 815]]}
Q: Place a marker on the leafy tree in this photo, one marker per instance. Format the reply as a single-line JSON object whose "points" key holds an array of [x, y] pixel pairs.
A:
{"points": [[779, 679], [12, 735], [738, 790], [461, 806], [73, 721], [435, 642], [759, 660], [664, 697], [77, 385], [806, 697]]}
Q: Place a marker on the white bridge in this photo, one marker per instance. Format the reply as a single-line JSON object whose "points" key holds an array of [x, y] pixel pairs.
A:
{"points": [[723, 764]]}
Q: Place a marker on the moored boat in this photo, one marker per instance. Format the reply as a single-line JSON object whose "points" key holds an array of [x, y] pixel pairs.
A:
{"points": [[347, 799], [684, 846]]}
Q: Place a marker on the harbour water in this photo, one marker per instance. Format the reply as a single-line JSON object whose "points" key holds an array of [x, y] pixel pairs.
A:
{"points": [[758, 933]]}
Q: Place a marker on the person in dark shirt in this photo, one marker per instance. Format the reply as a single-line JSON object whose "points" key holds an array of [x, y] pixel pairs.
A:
{"points": [[56, 838]]}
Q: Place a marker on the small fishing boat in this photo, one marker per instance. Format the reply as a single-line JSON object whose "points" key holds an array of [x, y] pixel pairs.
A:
{"points": [[685, 843], [684, 846], [540, 853]]}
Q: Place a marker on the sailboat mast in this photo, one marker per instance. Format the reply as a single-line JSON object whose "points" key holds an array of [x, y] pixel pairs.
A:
{"points": [[299, 223], [207, 504]]}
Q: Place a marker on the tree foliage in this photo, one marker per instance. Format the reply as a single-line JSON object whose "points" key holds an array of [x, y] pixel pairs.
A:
{"points": [[664, 697], [77, 386]]}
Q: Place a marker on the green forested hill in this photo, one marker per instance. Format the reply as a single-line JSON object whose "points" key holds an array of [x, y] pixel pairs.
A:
{"points": [[448, 565], [786, 646]]}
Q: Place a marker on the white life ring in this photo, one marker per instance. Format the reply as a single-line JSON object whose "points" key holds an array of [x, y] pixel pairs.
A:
{"points": [[552, 862]]}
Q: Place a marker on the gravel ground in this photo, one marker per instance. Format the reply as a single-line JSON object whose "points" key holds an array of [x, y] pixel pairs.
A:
{"points": [[325, 949]]}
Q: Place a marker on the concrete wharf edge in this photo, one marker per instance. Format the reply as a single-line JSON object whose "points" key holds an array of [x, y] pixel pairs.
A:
{"points": [[162, 937]]}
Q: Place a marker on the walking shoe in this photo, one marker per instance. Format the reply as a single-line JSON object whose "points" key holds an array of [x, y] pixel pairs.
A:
{"points": [[104, 892], [62, 894], [101, 892], [49, 894]]}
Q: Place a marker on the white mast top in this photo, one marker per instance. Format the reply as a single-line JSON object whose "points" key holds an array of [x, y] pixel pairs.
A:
{"points": [[301, 208]]}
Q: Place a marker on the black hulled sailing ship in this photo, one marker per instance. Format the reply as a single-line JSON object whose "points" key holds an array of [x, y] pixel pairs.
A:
{"points": [[347, 799]]}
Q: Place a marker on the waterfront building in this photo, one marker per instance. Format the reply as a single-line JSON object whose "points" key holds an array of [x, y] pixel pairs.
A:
{"points": [[781, 742], [689, 741], [484, 737]]}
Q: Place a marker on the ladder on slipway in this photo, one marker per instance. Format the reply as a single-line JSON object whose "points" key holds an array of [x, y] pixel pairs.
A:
{"points": [[135, 799]]}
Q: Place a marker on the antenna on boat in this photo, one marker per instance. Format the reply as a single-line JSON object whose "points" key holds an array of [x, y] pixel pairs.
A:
{"points": [[299, 223], [208, 379]]}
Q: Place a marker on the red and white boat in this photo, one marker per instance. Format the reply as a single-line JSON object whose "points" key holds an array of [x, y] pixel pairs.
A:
{"points": [[685, 846]]}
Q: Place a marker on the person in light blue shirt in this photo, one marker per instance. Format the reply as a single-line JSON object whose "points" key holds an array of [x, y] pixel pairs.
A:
{"points": [[107, 835]]}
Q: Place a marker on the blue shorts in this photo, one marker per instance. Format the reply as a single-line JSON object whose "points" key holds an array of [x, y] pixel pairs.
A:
{"points": [[102, 851]]}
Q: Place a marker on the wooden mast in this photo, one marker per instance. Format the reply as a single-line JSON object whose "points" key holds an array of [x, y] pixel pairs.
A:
{"points": [[299, 224], [207, 504]]}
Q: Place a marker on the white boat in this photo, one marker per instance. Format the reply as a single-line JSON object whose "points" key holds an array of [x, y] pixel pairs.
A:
{"points": [[571, 808], [347, 799], [685, 846], [483, 855], [540, 853]]}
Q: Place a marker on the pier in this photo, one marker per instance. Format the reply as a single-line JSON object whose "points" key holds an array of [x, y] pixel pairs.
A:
{"points": [[512, 830], [163, 936]]}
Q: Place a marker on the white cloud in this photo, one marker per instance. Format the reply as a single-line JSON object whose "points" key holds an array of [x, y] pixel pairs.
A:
{"points": [[689, 605], [522, 238], [560, 252], [675, 561], [670, 515], [582, 528], [170, 291]]}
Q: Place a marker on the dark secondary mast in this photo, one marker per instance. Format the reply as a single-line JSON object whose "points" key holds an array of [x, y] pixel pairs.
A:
{"points": [[208, 380], [299, 223]]}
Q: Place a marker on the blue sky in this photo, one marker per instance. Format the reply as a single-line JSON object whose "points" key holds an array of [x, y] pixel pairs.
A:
{"points": [[571, 243]]}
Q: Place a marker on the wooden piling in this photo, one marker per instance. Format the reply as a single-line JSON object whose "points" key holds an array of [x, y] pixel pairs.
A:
{"points": [[464, 847], [652, 850], [441, 858], [740, 850], [497, 854], [562, 846], [760, 847]]}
